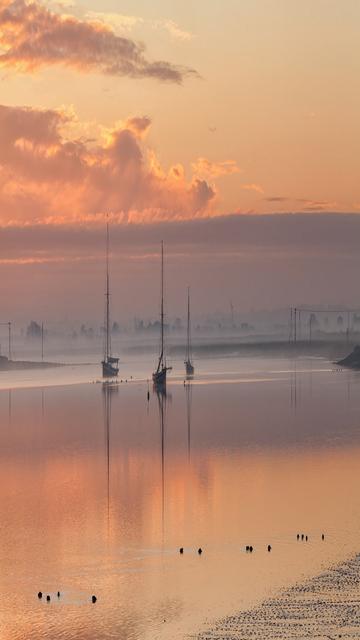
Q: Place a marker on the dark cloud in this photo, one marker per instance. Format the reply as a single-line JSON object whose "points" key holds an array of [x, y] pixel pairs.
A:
{"points": [[259, 261], [318, 205], [285, 234], [32, 37]]}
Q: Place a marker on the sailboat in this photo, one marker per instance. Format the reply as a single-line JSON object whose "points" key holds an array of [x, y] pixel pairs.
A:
{"points": [[110, 367], [159, 376], [189, 367]]}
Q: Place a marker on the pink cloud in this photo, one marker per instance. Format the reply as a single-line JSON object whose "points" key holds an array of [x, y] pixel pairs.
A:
{"points": [[318, 205], [253, 187], [208, 169], [33, 37], [46, 174]]}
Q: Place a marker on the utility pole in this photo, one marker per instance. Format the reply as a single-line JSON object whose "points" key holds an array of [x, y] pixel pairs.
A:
{"points": [[232, 314], [295, 327], [42, 342], [9, 334]]}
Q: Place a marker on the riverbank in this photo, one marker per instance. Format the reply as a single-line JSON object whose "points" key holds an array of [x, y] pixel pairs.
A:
{"points": [[22, 365], [332, 350], [326, 606]]}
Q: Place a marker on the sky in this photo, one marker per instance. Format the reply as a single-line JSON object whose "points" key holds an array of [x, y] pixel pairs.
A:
{"points": [[230, 129]]}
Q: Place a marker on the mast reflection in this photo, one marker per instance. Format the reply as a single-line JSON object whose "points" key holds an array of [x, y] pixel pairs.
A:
{"points": [[293, 387], [188, 391], [162, 398], [108, 391], [9, 406]]}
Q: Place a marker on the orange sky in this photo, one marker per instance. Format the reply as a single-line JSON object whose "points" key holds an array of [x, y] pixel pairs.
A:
{"points": [[248, 106], [159, 113]]}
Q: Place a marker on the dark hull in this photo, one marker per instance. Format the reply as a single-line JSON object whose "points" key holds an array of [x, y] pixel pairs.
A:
{"points": [[109, 370], [352, 360], [189, 368], [159, 377]]}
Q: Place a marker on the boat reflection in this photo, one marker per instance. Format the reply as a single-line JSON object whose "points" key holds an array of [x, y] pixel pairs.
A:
{"points": [[108, 391], [162, 400], [188, 392]]}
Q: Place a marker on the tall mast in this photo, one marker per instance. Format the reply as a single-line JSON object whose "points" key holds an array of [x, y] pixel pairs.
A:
{"points": [[107, 295], [162, 305], [188, 328], [9, 338]]}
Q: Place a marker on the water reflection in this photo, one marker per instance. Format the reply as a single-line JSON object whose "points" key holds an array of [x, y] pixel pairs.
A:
{"points": [[108, 390], [9, 406], [42, 403], [293, 386], [188, 392], [99, 488], [162, 398]]}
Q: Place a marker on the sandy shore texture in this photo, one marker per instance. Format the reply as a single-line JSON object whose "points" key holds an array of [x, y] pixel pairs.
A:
{"points": [[324, 607]]}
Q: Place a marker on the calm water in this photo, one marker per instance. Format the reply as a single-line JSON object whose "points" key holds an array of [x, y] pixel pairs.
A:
{"points": [[99, 489]]}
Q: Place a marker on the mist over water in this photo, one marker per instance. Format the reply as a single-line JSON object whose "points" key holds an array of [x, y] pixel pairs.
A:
{"points": [[99, 490], [179, 206]]}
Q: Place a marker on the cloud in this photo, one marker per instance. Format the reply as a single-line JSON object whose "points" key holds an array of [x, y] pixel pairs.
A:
{"points": [[277, 199], [32, 37], [48, 174], [306, 204], [117, 20], [253, 187], [285, 234], [139, 125], [173, 29], [127, 23], [318, 205], [272, 261], [207, 169]]}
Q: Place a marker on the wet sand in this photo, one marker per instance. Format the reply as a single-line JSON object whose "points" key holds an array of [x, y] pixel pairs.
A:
{"points": [[326, 606]]}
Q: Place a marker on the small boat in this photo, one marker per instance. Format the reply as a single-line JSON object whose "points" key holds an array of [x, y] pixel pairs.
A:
{"points": [[110, 364], [189, 367], [159, 376]]}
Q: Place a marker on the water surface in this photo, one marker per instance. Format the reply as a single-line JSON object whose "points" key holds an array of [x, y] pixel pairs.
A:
{"points": [[99, 489]]}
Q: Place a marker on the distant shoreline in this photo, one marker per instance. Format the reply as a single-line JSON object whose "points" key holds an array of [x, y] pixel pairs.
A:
{"points": [[330, 349], [22, 365]]}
